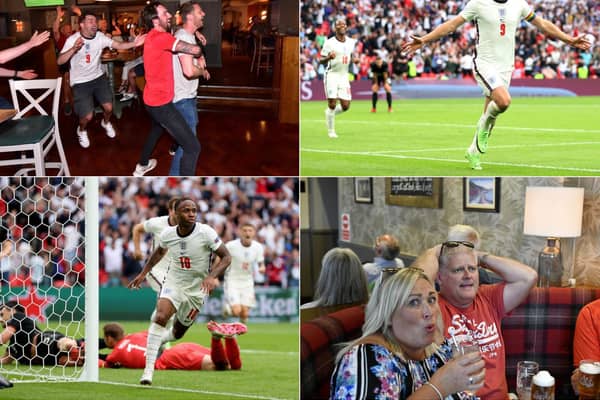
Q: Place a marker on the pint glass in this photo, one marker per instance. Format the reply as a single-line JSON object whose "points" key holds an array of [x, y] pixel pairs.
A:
{"points": [[589, 380]]}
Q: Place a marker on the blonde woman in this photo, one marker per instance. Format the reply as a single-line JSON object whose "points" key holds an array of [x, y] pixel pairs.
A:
{"points": [[401, 354]]}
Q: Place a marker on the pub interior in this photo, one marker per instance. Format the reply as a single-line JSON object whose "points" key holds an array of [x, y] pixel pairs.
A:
{"points": [[249, 104], [509, 221]]}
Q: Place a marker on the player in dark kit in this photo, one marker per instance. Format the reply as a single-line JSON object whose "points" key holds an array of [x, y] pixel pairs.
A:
{"points": [[380, 75]]}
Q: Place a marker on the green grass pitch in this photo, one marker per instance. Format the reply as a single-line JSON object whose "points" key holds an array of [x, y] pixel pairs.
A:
{"points": [[270, 370], [428, 137]]}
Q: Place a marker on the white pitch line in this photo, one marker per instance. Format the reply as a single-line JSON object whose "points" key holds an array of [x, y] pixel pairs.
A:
{"points": [[174, 389], [466, 126], [375, 154], [500, 147], [282, 353]]}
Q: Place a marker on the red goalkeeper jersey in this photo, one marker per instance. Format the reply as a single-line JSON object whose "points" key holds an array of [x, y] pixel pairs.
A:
{"points": [[130, 352]]}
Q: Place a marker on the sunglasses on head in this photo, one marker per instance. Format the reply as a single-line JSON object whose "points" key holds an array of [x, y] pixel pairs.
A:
{"points": [[452, 244]]}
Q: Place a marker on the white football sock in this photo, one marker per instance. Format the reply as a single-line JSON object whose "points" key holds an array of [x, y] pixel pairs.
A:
{"points": [[330, 114], [168, 336], [473, 147], [155, 333], [491, 112], [338, 109]]}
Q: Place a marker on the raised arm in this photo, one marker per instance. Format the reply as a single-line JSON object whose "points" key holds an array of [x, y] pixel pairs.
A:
{"points": [[14, 52], [428, 262], [519, 278], [7, 246], [138, 231], [440, 31], [6, 334], [56, 25], [548, 28]]}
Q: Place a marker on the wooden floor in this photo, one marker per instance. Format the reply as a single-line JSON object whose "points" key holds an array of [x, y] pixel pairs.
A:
{"points": [[235, 142]]}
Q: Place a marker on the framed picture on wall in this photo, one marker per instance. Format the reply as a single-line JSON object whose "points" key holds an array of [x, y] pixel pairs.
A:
{"points": [[363, 190], [414, 192], [481, 194]]}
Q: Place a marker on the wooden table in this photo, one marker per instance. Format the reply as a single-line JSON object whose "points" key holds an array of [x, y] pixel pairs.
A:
{"points": [[7, 114]]}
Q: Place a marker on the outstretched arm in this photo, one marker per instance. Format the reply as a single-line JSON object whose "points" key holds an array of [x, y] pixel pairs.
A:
{"points": [[14, 52], [440, 31], [581, 42], [137, 41], [519, 278]]}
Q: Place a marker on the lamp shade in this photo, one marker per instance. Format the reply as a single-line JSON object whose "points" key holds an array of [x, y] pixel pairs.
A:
{"points": [[553, 211]]}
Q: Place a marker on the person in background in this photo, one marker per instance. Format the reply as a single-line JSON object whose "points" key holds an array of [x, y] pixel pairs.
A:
{"points": [[14, 52], [342, 280], [387, 249]]}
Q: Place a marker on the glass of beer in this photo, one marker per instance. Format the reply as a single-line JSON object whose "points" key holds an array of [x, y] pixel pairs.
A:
{"points": [[589, 380], [465, 346], [542, 386], [525, 372]]}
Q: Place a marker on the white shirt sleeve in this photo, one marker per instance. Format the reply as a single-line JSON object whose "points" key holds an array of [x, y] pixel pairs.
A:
{"points": [[526, 11], [470, 11], [326, 48]]}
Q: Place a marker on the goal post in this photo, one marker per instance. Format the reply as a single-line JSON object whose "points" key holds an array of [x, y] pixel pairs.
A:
{"points": [[92, 299], [50, 272]]}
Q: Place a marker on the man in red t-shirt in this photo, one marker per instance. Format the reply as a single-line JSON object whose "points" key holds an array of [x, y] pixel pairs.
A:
{"points": [[159, 90], [477, 311], [129, 351]]}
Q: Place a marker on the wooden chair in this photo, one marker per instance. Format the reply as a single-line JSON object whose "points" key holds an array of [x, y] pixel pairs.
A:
{"points": [[32, 137], [263, 55]]}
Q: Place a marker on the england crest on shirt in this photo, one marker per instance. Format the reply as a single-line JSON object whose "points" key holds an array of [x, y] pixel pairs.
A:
{"points": [[502, 13]]}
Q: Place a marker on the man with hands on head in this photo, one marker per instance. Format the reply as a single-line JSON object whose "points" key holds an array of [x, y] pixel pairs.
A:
{"points": [[469, 309]]}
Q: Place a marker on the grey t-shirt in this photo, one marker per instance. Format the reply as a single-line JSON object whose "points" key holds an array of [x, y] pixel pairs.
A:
{"points": [[184, 88]]}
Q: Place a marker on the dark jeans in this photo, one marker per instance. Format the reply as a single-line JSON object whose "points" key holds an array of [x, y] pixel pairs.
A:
{"points": [[168, 117], [187, 109]]}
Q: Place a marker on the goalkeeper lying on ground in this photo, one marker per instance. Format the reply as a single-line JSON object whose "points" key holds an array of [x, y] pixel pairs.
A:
{"points": [[29, 346], [129, 350]]}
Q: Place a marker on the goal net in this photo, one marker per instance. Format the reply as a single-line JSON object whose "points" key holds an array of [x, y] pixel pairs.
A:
{"points": [[45, 280]]}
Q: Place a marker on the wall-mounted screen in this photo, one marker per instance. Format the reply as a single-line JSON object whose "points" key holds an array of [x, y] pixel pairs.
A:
{"points": [[44, 3]]}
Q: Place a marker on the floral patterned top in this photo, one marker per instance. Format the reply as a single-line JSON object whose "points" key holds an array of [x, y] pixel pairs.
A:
{"points": [[371, 371]]}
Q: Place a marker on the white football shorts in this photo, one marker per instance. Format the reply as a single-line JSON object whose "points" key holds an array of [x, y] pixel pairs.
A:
{"points": [[243, 295], [488, 78], [337, 86], [187, 303]]}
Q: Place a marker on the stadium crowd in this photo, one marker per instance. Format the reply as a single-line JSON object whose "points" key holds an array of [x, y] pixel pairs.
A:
{"points": [[41, 231], [382, 26], [270, 204]]}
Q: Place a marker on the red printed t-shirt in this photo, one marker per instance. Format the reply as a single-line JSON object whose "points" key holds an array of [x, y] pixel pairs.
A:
{"points": [[158, 66], [130, 352], [482, 321], [586, 343]]}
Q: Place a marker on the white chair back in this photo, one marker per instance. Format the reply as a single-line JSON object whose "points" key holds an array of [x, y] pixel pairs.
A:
{"points": [[25, 88]]}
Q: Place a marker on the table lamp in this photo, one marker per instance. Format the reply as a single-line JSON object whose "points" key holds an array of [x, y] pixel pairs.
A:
{"points": [[554, 213]]}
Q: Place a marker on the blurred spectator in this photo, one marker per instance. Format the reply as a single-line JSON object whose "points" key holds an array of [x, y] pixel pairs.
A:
{"points": [[383, 26], [43, 218], [270, 204]]}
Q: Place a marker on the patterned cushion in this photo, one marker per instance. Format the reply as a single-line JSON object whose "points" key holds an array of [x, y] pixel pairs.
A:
{"points": [[320, 340], [541, 329]]}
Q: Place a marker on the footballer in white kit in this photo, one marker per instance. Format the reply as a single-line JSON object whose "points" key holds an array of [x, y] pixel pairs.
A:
{"points": [[239, 277], [154, 226], [337, 53], [496, 22]]}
